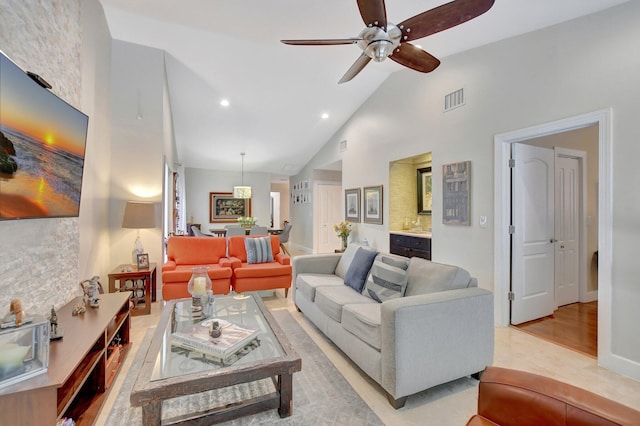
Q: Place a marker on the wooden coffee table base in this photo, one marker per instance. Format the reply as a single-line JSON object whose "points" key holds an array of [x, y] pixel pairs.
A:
{"points": [[281, 399], [274, 359]]}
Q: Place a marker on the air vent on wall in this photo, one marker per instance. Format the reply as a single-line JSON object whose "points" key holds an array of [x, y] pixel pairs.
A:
{"points": [[454, 100], [343, 146]]}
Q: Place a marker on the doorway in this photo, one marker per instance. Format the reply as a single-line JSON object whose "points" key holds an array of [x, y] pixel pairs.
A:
{"points": [[327, 212], [503, 199], [551, 186]]}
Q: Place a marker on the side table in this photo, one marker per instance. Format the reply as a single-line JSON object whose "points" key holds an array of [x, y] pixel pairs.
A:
{"points": [[140, 282]]}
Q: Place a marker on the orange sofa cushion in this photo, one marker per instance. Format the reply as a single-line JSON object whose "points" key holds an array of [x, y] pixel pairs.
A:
{"points": [[196, 250], [186, 253]]}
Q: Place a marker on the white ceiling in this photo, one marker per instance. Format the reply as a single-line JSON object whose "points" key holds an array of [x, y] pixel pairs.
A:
{"points": [[231, 49]]}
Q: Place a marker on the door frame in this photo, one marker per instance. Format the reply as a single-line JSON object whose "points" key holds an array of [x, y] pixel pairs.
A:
{"points": [[502, 203]]}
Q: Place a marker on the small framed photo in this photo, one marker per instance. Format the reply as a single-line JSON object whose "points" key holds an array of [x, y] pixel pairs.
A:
{"points": [[352, 205], [373, 204], [143, 261]]}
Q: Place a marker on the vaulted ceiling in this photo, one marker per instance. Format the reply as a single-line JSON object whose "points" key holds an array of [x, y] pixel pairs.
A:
{"points": [[277, 93]]}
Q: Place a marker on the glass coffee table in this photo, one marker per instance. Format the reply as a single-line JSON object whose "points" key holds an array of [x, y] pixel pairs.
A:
{"points": [[170, 371]]}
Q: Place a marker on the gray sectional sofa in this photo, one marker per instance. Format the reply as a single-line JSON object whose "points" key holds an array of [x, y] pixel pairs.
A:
{"points": [[415, 324]]}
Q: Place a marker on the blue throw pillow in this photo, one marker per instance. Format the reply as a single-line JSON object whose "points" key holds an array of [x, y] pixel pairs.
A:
{"points": [[258, 250], [359, 269]]}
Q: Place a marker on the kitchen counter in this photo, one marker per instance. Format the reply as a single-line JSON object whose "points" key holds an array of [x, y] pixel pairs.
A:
{"points": [[421, 234]]}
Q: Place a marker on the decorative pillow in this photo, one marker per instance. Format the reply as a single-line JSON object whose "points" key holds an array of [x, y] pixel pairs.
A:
{"points": [[388, 278], [347, 258], [258, 250], [359, 269]]}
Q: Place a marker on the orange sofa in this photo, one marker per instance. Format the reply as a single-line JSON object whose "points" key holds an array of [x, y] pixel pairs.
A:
{"points": [[259, 276], [186, 253]]}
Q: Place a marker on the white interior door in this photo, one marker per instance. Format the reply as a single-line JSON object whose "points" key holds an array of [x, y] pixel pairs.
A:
{"points": [[567, 230], [532, 282], [275, 210], [328, 212]]}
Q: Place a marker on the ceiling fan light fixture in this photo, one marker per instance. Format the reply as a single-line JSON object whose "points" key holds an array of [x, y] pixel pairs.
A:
{"points": [[379, 50]]}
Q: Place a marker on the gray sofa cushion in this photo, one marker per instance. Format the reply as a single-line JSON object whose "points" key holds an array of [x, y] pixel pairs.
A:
{"points": [[347, 258], [359, 269], [363, 320], [330, 300], [388, 278], [429, 277], [307, 283]]}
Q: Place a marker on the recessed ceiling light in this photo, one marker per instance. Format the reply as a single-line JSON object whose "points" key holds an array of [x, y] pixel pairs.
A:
{"points": [[224, 103], [325, 115]]}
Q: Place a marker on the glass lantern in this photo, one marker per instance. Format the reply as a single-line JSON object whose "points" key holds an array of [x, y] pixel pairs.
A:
{"points": [[199, 286]]}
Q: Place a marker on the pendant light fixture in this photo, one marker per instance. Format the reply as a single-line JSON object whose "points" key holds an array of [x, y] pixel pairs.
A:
{"points": [[242, 191]]}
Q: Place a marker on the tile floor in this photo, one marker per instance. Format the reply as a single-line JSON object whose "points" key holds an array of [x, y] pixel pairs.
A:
{"points": [[449, 404]]}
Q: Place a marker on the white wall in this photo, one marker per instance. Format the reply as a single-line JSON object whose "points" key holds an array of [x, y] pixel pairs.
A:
{"points": [[200, 182], [562, 71], [96, 88], [137, 144]]}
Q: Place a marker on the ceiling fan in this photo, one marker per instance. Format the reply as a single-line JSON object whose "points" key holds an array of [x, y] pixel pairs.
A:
{"points": [[381, 39]]}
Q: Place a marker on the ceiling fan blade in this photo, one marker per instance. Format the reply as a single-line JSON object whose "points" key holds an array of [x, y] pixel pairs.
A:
{"points": [[443, 17], [357, 66], [373, 12], [325, 42], [415, 58]]}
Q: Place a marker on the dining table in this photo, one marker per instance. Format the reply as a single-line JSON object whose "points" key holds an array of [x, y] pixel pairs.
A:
{"points": [[222, 232]]}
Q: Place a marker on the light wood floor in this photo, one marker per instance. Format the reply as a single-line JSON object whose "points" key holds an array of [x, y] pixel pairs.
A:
{"points": [[573, 326], [449, 404]]}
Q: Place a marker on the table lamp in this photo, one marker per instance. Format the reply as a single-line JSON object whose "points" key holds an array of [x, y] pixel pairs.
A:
{"points": [[138, 215]]}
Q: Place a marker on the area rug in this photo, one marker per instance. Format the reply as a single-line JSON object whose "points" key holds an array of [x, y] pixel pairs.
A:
{"points": [[321, 395]]}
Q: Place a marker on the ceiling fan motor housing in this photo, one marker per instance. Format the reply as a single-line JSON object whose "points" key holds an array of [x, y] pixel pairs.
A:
{"points": [[378, 43]]}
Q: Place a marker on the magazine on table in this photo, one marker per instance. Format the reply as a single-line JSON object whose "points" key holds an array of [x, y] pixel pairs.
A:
{"points": [[233, 338]]}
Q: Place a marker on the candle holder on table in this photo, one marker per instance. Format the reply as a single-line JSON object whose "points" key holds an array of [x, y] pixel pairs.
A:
{"points": [[199, 287]]}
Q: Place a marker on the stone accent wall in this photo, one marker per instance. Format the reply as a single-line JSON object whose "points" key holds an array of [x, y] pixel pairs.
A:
{"points": [[40, 256]]}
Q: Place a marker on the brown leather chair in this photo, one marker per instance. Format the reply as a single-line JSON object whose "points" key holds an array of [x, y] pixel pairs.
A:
{"points": [[512, 397]]}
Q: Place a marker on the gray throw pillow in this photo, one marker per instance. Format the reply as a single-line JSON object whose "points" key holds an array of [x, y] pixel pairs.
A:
{"points": [[347, 258], [388, 278], [258, 250], [359, 269]]}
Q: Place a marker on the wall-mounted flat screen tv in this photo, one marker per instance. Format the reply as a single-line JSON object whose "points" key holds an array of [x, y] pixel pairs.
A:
{"points": [[42, 148]]}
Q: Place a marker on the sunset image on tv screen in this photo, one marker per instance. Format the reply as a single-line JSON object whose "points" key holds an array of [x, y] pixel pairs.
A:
{"points": [[42, 147]]}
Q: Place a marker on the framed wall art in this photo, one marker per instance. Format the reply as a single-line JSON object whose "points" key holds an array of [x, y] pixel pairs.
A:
{"points": [[424, 190], [373, 204], [352, 204], [456, 189], [224, 208]]}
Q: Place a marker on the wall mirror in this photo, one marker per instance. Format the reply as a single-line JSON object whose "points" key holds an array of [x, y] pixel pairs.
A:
{"points": [[424, 190]]}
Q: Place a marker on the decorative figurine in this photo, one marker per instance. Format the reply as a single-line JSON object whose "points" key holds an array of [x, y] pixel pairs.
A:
{"points": [[16, 309], [208, 309], [215, 331], [91, 290], [56, 332], [78, 309]]}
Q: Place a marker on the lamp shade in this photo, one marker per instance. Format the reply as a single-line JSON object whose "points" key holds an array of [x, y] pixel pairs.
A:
{"points": [[139, 215], [241, 192]]}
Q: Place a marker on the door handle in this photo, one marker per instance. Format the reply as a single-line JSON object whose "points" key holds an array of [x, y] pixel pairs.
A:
{"points": [[553, 240]]}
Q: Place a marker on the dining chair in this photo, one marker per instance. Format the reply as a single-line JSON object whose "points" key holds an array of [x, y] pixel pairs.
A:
{"points": [[197, 232], [235, 230], [258, 230], [284, 237]]}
